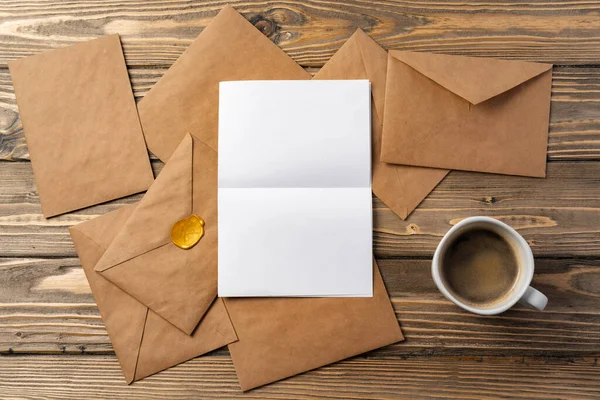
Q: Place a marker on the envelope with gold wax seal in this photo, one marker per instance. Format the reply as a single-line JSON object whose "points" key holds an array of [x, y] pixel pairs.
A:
{"points": [[165, 256], [143, 341]]}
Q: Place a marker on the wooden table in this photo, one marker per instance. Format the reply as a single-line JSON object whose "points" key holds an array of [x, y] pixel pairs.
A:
{"points": [[52, 339]]}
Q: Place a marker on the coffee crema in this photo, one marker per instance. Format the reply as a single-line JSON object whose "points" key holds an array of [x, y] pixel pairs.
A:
{"points": [[480, 268]]}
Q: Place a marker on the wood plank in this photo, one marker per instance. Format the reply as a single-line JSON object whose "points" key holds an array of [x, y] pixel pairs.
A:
{"points": [[156, 32], [574, 122], [46, 307], [95, 377], [559, 216]]}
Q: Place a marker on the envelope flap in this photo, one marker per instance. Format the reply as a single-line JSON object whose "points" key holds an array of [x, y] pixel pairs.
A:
{"points": [[472, 78], [163, 346], [375, 60], [346, 63], [168, 200]]}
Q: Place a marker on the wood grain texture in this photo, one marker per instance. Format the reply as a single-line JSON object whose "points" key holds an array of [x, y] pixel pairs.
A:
{"points": [[213, 377], [46, 307], [559, 215], [52, 340], [574, 120], [156, 32]]}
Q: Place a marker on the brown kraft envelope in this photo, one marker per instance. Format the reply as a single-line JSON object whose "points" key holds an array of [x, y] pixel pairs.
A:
{"points": [[185, 99], [400, 187], [144, 342], [179, 285], [467, 113], [282, 337], [81, 125]]}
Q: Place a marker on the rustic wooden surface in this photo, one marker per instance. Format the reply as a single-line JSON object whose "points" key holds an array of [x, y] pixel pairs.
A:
{"points": [[53, 342], [360, 377]]}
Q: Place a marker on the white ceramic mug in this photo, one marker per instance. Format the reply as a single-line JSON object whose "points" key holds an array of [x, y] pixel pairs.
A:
{"points": [[521, 292]]}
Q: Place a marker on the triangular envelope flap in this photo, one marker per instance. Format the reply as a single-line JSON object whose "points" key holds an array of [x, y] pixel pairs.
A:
{"points": [[168, 200], [472, 78], [163, 347], [345, 63], [375, 59], [179, 285]]}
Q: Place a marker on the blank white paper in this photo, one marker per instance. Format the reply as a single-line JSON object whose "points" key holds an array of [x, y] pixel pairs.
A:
{"points": [[295, 206]]}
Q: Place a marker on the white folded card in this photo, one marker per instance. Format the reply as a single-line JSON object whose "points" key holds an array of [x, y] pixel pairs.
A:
{"points": [[295, 205]]}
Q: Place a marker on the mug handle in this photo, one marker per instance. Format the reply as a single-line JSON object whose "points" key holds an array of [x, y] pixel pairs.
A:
{"points": [[534, 298]]}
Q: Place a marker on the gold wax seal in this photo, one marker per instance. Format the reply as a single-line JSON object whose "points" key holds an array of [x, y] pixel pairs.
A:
{"points": [[187, 232]]}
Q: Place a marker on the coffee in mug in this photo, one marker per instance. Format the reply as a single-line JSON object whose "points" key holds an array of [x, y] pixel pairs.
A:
{"points": [[480, 267], [485, 266]]}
